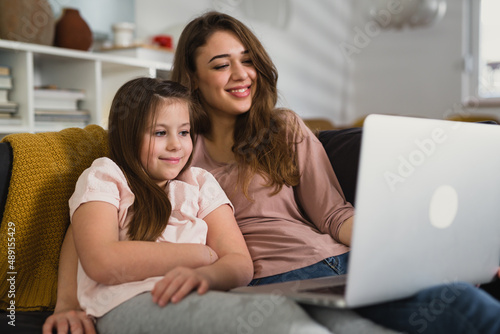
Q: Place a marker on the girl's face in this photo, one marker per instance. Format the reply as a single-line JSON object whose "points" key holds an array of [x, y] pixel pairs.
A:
{"points": [[225, 75], [166, 146]]}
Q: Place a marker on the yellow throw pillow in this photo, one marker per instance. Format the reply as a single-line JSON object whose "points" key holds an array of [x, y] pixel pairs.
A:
{"points": [[45, 169]]}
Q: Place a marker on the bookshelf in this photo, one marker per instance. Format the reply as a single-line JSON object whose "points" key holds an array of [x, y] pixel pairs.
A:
{"points": [[99, 75]]}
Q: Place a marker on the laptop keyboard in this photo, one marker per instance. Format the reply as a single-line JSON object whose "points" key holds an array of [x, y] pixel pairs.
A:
{"points": [[337, 290]]}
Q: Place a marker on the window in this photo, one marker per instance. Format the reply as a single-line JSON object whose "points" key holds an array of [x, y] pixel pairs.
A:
{"points": [[489, 49], [483, 55]]}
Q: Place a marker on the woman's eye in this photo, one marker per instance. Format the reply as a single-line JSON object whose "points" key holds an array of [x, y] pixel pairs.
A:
{"points": [[160, 133], [247, 62], [219, 67]]}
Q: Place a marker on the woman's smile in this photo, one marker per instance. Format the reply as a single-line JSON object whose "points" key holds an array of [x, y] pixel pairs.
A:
{"points": [[240, 92]]}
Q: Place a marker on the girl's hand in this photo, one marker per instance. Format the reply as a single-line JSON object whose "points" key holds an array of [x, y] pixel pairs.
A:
{"points": [[177, 284], [73, 321], [212, 255]]}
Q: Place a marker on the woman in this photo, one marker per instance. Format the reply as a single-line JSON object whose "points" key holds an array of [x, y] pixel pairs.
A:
{"points": [[236, 86]]}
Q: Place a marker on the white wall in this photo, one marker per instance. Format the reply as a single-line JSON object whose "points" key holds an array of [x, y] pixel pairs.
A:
{"points": [[410, 72], [413, 72], [312, 70]]}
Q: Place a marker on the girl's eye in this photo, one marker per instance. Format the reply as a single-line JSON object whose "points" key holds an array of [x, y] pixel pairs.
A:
{"points": [[160, 133], [247, 62], [184, 133]]}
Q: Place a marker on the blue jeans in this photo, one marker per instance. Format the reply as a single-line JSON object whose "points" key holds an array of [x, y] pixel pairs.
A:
{"points": [[448, 308], [335, 265]]}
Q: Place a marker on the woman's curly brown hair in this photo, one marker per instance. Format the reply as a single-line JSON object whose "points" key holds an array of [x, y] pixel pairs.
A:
{"points": [[264, 137]]}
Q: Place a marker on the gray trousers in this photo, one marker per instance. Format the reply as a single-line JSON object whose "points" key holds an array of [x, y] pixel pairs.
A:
{"points": [[231, 313]]}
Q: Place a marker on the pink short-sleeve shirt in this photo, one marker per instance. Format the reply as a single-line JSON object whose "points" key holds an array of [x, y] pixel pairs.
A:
{"points": [[194, 194]]}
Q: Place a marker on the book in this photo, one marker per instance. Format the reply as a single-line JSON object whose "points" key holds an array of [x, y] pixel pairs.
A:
{"points": [[68, 112], [4, 95], [51, 119], [57, 99], [62, 118], [6, 116], [8, 107], [62, 115], [4, 70], [5, 82], [56, 126], [7, 119]]}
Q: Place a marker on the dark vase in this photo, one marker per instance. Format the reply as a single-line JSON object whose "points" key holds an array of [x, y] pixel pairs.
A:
{"points": [[72, 31], [30, 21]]}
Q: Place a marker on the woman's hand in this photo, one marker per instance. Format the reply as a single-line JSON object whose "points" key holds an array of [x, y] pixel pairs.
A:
{"points": [[177, 284], [75, 321]]}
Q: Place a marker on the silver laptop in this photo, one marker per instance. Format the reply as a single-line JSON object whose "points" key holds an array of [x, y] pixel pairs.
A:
{"points": [[427, 213]]}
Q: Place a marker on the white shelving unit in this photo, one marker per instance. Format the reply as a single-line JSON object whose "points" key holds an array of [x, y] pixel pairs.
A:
{"points": [[98, 74]]}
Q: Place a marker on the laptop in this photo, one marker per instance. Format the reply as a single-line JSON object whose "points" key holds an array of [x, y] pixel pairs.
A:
{"points": [[427, 213]]}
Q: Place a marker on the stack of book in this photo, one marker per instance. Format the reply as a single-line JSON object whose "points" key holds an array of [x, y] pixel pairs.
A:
{"points": [[8, 109], [53, 104]]}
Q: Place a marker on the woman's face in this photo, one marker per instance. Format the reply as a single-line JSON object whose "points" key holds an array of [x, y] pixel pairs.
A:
{"points": [[225, 75], [166, 147]]}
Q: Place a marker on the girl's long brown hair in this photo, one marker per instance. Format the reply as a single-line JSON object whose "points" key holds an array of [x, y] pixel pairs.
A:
{"points": [[264, 137], [132, 113]]}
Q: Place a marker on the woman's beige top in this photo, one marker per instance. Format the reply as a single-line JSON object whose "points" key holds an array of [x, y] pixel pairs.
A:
{"points": [[295, 228]]}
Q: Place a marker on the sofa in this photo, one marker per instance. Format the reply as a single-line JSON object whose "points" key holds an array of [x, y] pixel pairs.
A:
{"points": [[37, 176]]}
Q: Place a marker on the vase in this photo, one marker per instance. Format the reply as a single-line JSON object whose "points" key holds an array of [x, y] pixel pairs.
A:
{"points": [[72, 31], [30, 21]]}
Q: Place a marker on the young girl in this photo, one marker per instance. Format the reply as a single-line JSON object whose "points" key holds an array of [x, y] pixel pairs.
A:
{"points": [[143, 220]]}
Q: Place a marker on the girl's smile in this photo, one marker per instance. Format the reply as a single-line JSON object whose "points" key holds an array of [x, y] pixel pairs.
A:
{"points": [[171, 160]]}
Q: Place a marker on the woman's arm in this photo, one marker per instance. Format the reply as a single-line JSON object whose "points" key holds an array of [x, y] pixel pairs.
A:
{"points": [[345, 231], [107, 260], [234, 267], [319, 193]]}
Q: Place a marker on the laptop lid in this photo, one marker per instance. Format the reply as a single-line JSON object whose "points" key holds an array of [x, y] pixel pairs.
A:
{"points": [[427, 207]]}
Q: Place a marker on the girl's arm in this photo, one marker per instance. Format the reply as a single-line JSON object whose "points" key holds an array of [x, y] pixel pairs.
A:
{"points": [[68, 314], [107, 260], [234, 267]]}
